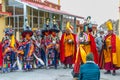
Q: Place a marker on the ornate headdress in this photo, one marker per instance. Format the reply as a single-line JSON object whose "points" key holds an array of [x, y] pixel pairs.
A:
{"points": [[27, 30], [54, 27], [8, 31]]}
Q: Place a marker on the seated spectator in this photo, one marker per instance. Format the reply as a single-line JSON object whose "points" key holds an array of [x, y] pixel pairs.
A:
{"points": [[89, 70]]}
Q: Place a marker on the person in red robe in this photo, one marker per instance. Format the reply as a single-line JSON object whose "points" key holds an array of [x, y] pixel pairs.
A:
{"points": [[68, 47], [85, 45], [110, 56]]}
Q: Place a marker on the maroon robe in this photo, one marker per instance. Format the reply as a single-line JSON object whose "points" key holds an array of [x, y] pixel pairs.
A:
{"points": [[62, 54]]}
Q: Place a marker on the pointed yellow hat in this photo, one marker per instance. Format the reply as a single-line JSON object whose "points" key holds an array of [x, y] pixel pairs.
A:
{"points": [[12, 44], [109, 25], [69, 27]]}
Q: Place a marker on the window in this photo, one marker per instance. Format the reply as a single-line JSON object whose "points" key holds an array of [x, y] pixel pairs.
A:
{"points": [[13, 2], [14, 7], [41, 14], [35, 22], [41, 22], [46, 14]]}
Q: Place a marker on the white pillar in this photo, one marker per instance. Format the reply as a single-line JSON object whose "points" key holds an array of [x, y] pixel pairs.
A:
{"points": [[25, 15], [14, 18], [32, 17], [18, 30], [17, 35]]}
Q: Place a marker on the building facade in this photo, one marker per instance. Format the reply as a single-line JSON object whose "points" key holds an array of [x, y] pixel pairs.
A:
{"points": [[3, 15], [36, 12]]}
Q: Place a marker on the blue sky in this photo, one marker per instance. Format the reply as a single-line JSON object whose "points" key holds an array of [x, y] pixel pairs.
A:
{"points": [[99, 10]]}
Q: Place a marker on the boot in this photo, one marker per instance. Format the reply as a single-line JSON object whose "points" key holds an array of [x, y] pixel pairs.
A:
{"points": [[108, 72], [65, 66], [114, 73], [70, 66]]}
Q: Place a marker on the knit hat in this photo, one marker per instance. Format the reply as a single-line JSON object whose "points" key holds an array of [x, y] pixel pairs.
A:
{"points": [[90, 57]]}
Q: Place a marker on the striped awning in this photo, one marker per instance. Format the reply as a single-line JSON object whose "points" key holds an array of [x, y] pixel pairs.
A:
{"points": [[46, 8], [5, 14]]}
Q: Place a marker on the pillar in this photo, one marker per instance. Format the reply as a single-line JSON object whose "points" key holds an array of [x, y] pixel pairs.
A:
{"points": [[75, 25], [61, 22], [25, 15]]}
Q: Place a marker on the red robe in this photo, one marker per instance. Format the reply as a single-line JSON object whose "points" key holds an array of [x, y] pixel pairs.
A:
{"points": [[113, 50], [93, 50], [1, 57], [62, 54]]}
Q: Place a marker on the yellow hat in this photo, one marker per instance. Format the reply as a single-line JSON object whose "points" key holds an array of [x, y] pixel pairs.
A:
{"points": [[109, 25], [34, 29], [69, 27], [12, 44]]}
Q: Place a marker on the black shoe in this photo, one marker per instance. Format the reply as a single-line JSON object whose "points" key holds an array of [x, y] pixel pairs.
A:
{"points": [[75, 75], [65, 67], [25, 70], [113, 73], [70, 67], [108, 72]]}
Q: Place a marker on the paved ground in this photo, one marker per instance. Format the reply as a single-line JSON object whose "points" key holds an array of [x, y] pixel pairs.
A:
{"points": [[51, 74]]}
